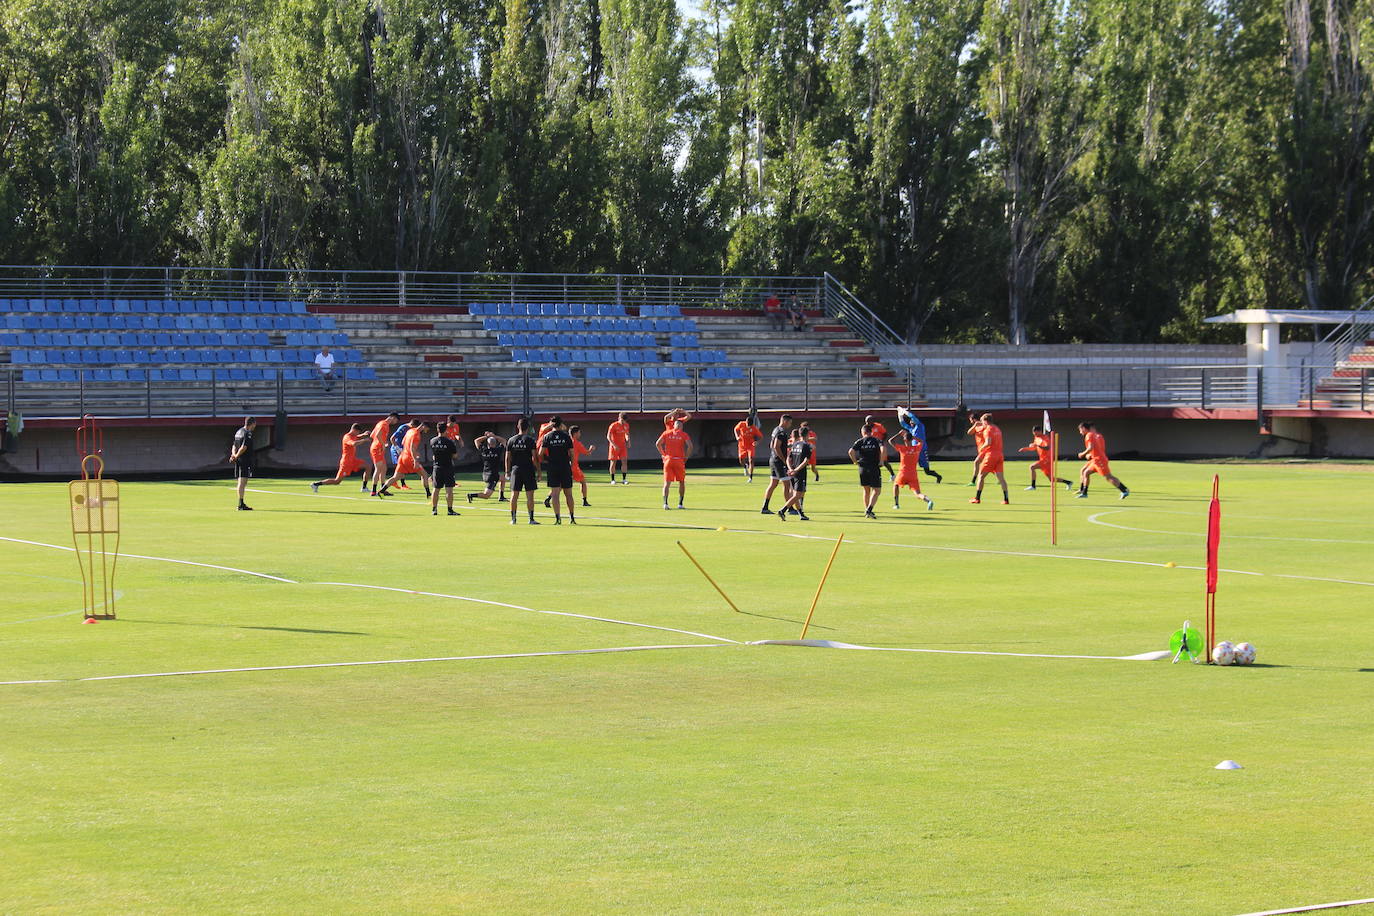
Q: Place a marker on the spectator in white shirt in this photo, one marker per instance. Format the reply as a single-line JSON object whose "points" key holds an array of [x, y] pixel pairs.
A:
{"points": [[324, 362]]}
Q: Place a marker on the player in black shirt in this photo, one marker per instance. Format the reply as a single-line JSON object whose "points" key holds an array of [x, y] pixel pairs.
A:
{"points": [[869, 454], [556, 450], [777, 462], [441, 450], [491, 448], [241, 456], [522, 468], [798, 458]]}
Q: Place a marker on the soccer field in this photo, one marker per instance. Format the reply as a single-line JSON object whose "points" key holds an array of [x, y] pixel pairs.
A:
{"points": [[369, 709]]}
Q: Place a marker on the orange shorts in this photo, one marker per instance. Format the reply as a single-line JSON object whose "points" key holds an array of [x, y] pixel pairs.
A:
{"points": [[618, 452], [746, 453], [812, 460], [406, 464], [674, 469], [1099, 467], [350, 465], [990, 465], [378, 455], [909, 480], [578, 476], [1044, 468]]}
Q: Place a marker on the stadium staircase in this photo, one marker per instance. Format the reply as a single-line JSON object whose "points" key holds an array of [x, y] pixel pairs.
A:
{"points": [[1350, 385]]}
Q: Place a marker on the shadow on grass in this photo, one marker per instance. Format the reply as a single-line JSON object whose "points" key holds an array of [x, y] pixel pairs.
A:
{"points": [[237, 626]]}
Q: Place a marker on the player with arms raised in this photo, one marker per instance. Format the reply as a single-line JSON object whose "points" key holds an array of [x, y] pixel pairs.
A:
{"points": [[747, 435], [674, 447]]}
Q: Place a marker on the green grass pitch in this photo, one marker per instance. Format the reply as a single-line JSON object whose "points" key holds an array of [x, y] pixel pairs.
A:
{"points": [[718, 778]]}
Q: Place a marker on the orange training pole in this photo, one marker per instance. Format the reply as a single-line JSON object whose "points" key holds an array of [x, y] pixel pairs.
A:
{"points": [[825, 575]]}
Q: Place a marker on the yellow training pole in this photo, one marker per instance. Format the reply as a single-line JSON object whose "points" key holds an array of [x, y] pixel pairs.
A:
{"points": [[709, 579], [816, 600], [1054, 489]]}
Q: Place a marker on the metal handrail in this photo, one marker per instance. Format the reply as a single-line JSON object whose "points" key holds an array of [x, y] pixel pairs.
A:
{"points": [[1344, 337], [840, 303]]}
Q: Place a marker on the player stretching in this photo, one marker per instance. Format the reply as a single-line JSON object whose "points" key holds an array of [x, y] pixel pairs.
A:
{"points": [[870, 455], [349, 462], [556, 448], [747, 434], [1041, 444], [909, 470], [990, 460], [798, 458], [809, 435], [242, 458], [398, 447], [618, 446], [674, 447], [880, 433], [408, 461], [522, 468], [1095, 453], [777, 463], [381, 434], [917, 430], [578, 451], [442, 448], [975, 429], [491, 448]]}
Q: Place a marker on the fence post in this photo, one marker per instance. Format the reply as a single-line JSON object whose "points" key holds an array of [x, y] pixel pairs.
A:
{"points": [[1259, 397], [1311, 390], [81, 391], [1149, 386], [908, 387], [343, 377], [1202, 387], [858, 388], [214, 392], [524, 390], [466, 374], [405, 391], [959, 392], [753, 390], [1364, 386], [584, 390], [1068, 388], [641, 368], [1120, 386], [10, 386], [696, 388], [148, 393], [806, 387], [1015, 389]]}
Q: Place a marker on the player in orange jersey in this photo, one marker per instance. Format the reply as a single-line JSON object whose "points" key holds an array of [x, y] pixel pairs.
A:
{"points": [[1040, 445], [1095, 454], [409, 461], [809, 435], [381, 436], [579, 450], [349, 462], [674, 447], [975, 429], [451, 431], [880, 433], [618, 446], [990, 459], [747, 435], [672, 416], [909, 471]]}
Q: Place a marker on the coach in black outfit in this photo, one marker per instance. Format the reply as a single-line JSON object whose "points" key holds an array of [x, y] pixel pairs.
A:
{"points": [[242, 457]]}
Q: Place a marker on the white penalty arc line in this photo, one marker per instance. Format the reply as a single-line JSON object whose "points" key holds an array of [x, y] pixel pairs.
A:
{"points": [[1313, 907], [358, 664], [1096, 519], [831, 644], [136, 556], [519, 607]]}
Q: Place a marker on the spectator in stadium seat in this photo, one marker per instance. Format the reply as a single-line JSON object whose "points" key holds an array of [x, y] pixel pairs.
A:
{"points": [[324, 362], [796, 314], [773, 309]]}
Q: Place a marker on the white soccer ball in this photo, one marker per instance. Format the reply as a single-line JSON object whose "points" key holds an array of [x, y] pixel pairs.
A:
{"points": [[1244, 653], [1223, 653]]}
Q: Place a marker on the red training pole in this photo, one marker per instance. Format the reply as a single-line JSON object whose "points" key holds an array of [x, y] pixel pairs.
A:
{"points": [[1213, 548], [1054, 489]]}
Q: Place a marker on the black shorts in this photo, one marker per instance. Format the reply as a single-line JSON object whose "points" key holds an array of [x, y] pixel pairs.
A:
{"points": [[523, 479], [491, 477], [871, 477], [560, 478], [242, 470], [443, 477], [777, 469], [799, 481]]}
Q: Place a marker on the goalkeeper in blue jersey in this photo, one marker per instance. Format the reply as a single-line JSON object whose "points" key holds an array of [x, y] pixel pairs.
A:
{"points": [[917, 430]]}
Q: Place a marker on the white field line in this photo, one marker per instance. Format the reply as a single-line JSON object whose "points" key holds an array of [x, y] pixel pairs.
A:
{"points": [[388, 661], [518, 607], [1312, 907], [135, 556], [831, 644], [1096, 519], [1201, 512]]}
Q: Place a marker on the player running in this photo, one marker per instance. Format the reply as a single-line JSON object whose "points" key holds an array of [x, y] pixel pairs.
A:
{"points": [[442, 448], [618, 446], [1041, 444], [1095, 453], [798, 458], [398, 446], [578, 451], [349, 462], [522, 468], [674, 447], [990, 459], [381, 435], [491, 448], [556, 448], [408, 462], [747, 435], [777, 463], [975, 429], [869, 454], [916, 429], [910, 450]]}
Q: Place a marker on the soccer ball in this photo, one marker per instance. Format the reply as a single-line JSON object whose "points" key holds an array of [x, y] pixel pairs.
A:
{"points": [[1223, 653], [1245, 654]]}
